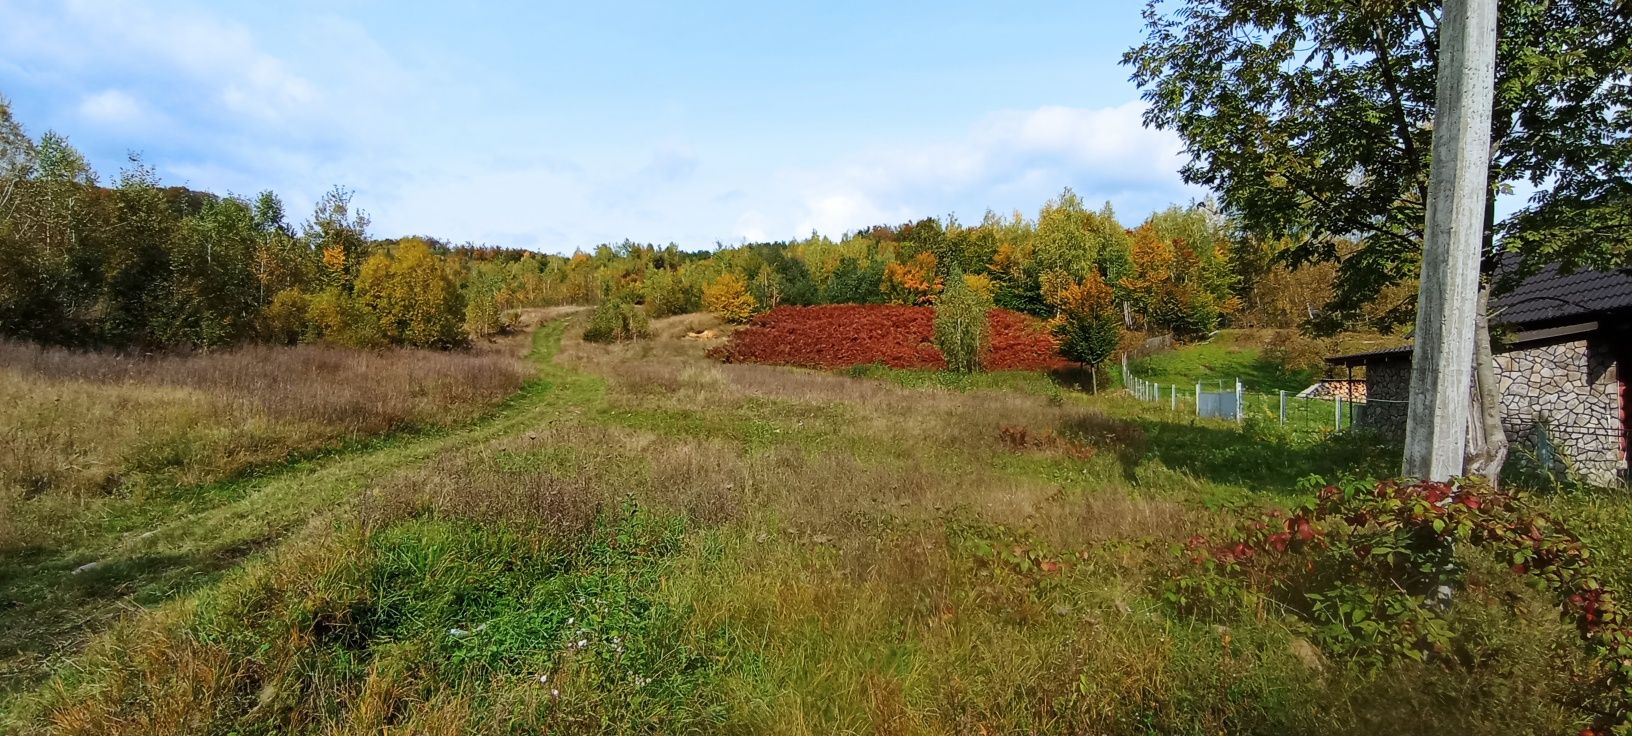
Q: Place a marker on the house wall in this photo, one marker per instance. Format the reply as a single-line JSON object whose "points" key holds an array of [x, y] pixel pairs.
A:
{"points": [[1572, 386], [1387, 387]]}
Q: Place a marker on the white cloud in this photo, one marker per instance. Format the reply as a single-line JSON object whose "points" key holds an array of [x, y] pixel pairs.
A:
{"points": [[1106, 154], [671, 164], [114, 108], [1008, 159], [265, 90], [191, 48], [835, 212], [1110, 139]]}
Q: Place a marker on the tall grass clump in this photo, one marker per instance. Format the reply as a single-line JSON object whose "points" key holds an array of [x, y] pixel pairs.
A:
{"points": [[961, 329]]}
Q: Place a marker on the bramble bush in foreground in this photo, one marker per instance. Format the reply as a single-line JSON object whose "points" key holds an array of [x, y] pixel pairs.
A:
{"points": [[1379, 569]]}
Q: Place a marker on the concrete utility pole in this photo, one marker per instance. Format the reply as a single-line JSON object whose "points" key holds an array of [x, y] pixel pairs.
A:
{"points": [[1442, 363]]}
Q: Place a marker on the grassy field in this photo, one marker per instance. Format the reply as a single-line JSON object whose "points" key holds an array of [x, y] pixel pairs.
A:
{"points": [[1229, 355], [104, 456], [646, 541], [1242, 354]]}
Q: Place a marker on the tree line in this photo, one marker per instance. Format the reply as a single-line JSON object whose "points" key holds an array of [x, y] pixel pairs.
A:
{"points": [[132, 263], [1186, 270]]}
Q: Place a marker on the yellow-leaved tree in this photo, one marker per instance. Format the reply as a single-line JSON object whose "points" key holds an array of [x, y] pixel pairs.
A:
{"points": [[729, 299], [412, 296]]}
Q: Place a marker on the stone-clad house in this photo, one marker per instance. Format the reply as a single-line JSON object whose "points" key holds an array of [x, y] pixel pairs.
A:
{"points": [[1565, 337]]}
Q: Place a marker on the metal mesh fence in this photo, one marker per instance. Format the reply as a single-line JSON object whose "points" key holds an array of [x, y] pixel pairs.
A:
{"points": [[1232, 401], [1550, 435]]}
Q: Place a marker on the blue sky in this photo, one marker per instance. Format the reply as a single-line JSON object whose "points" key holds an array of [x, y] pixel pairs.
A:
{"points": [[556, 126]]}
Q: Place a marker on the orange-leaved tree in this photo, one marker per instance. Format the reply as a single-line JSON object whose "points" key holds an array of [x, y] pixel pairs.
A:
{"points": [[913, 282], [1086, 319]]}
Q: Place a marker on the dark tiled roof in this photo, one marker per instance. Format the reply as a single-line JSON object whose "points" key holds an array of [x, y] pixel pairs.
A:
{"points": [[1553, 295], [1550, 295], [1403, 351]]}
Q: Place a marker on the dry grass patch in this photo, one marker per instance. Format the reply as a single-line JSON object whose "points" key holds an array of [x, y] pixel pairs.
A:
{"points": [[97, 414], [87, 424]]}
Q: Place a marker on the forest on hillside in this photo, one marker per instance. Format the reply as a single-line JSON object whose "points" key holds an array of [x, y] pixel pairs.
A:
{"points": [[128, 262]]}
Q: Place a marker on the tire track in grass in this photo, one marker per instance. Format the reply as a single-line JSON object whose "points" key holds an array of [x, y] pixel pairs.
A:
{"points": [[61, 603]]}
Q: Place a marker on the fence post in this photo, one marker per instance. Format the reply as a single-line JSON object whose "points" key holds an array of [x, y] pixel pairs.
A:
{"points": [[1198, 398], [1283, 407], [1173, 396], [1337, 413], [1237, 401]]}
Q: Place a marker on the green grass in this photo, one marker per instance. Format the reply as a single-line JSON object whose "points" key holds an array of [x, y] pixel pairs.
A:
{"points": [[1229, 355], [153, 548], [1031, 382], [743, 549]]}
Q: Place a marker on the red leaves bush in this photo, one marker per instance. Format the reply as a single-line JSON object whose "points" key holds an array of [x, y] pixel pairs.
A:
{"points": [[1365, 562], [841, 335]]}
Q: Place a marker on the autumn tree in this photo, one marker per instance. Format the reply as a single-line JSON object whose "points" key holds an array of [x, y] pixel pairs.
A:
{"points": [[280, 261], [1016, 285], [729, 299], [767, 287], [484, 311], [338, 233], [411, 296], [913, 282], [286, 318], [1153, 264], [1086, 320], [1063, 241]]}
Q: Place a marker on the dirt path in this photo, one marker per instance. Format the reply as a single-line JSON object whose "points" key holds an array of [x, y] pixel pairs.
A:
{"points": [[190, 551]]}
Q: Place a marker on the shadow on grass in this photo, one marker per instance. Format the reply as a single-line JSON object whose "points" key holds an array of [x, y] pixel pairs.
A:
{"points": [[1258, 457], [45, 605]]}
